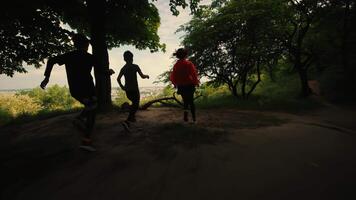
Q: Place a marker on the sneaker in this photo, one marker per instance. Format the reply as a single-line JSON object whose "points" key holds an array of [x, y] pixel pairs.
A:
{"points": [[87, 145]]}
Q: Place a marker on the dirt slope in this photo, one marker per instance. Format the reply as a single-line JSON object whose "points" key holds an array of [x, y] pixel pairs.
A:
{"points": [[228, 154]]}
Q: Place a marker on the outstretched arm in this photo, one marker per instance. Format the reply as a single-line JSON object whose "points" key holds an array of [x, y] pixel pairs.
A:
{"points": [[142, 75], [48, 71], [119, 80]]}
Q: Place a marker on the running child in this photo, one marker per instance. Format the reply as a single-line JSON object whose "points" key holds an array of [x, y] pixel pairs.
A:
{"points": [[185, 78], [129, 71], [78, 65]]}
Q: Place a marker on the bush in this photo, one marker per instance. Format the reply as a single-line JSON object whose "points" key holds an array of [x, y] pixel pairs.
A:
{"points": [[36, 103], [284, 89], [279, 95], [53, 98], [167, 91], [5, 116], [16, 105], [120, 97]]}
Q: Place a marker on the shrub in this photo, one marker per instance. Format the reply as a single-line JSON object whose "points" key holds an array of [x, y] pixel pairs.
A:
{"points": [[36, 103], [15, 105], [53, 98], [284, 89], [120, 97]]}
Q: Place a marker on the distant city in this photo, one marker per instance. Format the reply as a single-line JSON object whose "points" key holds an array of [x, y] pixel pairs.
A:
{"points": [[144, 91], [10, 91]]}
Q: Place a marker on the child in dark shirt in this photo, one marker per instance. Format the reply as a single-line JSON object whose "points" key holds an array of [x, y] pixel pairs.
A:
{"points": [[129, 71], [78, 65]]}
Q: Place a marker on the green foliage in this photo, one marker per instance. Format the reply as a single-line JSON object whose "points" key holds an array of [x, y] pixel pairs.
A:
{"points": [[5, 116], [231, 44], [35, 103], [335, 45], [18, 105], [210, 91], [164, 77], [277, 95], [306, 36], [168, 91], [283, 89], [53, 98], [120, 97], [133, 22], [12, 106], [29, 33], [334, 85]]}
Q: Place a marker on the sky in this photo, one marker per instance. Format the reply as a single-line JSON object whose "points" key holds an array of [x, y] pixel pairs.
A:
{"points": [[152, 64]]}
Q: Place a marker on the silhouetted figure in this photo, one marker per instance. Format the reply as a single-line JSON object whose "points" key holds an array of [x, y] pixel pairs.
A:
{"points": [[129, 71], [78, 65], [184, 77]]}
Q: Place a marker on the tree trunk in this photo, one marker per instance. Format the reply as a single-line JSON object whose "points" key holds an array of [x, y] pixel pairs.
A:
{"points": [[305, 90], [243, 85], [234, 91], [253, 87], [100, 52]]}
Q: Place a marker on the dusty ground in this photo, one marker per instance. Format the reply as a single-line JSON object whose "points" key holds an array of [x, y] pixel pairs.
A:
{"points": [[228, 154]]}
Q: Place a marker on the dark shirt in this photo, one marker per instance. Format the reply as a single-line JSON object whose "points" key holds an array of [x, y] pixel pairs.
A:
{"points": [[130, 73], [78, 66]]}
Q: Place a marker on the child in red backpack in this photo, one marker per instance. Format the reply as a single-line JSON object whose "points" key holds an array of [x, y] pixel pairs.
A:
{"points": [[185, 78]]}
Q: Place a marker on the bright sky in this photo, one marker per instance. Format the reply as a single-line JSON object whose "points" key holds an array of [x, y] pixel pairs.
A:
{"points": [[152, 64]]}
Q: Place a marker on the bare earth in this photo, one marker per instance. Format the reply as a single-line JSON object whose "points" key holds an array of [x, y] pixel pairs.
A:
{"points": [[228, 154]]}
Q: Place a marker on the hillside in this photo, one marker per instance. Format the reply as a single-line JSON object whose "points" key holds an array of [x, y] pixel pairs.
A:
{"points": [[228, 154]]}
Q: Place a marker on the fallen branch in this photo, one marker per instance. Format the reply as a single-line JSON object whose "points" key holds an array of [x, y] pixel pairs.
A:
{"points": [[161, 100], [164, 100]]}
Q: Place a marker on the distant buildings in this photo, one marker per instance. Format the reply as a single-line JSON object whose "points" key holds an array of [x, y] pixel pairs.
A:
{"points": [[144, 91]]}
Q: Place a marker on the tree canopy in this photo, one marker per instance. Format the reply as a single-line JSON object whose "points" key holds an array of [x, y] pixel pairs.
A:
{"points": [[31, 31], [232, 44], [132, 22]]}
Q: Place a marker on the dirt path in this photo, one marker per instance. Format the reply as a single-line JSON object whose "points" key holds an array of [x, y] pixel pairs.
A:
{"points": [[228, 154]]}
